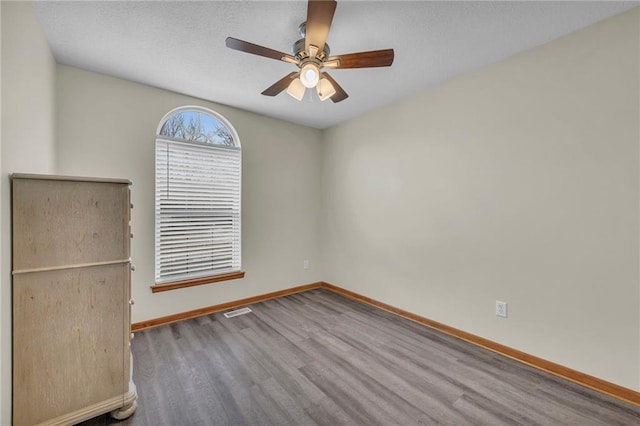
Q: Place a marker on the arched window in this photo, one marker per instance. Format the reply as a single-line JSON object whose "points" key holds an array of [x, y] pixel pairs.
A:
{"points": [[198, 181]]}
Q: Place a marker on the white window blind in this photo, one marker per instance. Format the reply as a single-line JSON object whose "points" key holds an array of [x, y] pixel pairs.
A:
{"points": [[197, 210]]}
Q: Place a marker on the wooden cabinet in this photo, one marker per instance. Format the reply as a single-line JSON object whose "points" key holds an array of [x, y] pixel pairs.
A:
{"points": [[71, 294]]}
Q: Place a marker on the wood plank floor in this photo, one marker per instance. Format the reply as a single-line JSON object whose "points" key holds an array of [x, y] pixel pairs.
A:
{"points": [[318, 358]]}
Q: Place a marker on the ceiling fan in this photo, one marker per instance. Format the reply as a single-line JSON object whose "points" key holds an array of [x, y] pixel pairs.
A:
{"points": [[311, 55]]}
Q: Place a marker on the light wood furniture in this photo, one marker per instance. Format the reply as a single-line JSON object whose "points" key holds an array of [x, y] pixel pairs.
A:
{"points": [[71, 299]]}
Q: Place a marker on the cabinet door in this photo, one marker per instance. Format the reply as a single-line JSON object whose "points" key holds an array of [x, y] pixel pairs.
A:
{"points": [[70, 340], [61, 223]]}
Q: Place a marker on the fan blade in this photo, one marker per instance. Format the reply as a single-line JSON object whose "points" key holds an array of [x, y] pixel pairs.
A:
{"points": [[280, 85], [245, 46], [319, 18], [340, 94], [375, 58]]}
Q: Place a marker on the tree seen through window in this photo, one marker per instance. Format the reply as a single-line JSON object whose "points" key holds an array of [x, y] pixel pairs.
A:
{"points": [[195, 126]]}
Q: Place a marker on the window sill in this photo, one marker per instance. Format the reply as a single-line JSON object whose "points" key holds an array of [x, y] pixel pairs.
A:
{"points": [[198, 281]]}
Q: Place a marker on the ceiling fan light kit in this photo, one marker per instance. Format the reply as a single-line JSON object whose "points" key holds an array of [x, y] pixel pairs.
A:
{"points": [[309, 75], [325, 89], [311, 55], [296, 89]]}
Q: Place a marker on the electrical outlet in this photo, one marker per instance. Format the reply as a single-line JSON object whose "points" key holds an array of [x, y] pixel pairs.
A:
{"points": [[501, 309], [305, 264]]}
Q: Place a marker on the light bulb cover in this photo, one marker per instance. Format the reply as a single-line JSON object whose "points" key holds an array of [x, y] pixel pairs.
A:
{"points": [[309, 75], [325, 89], [296, 89]]}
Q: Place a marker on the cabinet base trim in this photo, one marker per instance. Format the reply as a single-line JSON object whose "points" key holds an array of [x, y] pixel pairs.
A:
{"points": [[112, 404]]}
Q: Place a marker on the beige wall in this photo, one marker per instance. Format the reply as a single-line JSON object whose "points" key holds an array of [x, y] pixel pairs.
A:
{"points": [[518, 183], [28, 131], [106, 127]]}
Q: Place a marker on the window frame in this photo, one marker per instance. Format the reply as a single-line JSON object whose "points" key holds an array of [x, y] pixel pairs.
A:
{"points": [[206, 279]]}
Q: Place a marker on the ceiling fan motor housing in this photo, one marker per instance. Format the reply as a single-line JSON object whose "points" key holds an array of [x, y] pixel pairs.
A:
{"points": [[299, 52]]}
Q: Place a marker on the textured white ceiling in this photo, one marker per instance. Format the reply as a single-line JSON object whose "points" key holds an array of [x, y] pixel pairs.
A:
{"points": [[180, 45]]}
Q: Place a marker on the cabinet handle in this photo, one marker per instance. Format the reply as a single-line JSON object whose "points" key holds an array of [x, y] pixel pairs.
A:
{"points": [[133, 267], [132, 302], [131, 205], [131, 235]]}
